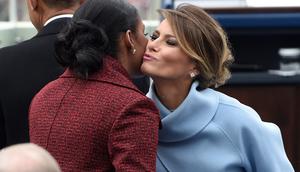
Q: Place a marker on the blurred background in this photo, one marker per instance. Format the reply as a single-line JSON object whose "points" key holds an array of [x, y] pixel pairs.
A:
{"points": [[15, 25], [265, 40]]}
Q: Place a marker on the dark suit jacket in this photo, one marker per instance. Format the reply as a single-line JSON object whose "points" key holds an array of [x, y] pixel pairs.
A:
{"points": [[103, 123], [24, 69]]}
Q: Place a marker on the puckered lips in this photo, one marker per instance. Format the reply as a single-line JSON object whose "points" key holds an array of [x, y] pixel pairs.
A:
{"points": [[148, 57]]}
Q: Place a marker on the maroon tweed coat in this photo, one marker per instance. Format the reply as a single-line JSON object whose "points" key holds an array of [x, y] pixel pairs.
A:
{"points": [[101, 124]]}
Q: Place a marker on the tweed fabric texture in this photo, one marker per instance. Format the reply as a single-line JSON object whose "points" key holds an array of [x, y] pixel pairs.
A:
{"points": [[103, 123]]}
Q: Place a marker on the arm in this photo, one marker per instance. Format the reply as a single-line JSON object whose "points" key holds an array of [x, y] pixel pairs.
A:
{"points": [[265, 149], [134, 137]]}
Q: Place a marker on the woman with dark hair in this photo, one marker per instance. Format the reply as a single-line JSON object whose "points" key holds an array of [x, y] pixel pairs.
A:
{"points": [[203, 129], [93, 118]]}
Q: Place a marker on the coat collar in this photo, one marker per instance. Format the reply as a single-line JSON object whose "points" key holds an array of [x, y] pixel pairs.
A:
{"points": [[54, 27], [192, 115], [112, 72]]}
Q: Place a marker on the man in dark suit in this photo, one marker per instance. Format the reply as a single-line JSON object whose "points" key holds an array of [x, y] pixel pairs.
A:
{"points": [[26, 67]]}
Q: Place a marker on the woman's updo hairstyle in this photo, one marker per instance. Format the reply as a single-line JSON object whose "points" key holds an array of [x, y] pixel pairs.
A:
{"points": [[93, 34]]}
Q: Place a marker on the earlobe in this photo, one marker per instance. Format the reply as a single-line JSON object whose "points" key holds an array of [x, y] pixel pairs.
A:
{"points": [[194, 73]]}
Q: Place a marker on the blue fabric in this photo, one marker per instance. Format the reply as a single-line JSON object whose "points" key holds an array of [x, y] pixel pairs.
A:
{"points": [[212, 132]]}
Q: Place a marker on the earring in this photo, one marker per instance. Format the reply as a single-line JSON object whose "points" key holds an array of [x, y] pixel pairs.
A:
{"points": [[193, 74], [133, 51]]}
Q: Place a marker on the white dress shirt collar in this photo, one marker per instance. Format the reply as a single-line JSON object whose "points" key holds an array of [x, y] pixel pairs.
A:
{"points": [[58, 17]]}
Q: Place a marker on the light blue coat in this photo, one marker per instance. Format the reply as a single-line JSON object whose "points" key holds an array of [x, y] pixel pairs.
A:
{"points": [[212, 132]]}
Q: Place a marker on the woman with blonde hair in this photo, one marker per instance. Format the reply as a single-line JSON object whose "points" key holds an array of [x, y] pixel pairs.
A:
{"points": [[202, 129]]}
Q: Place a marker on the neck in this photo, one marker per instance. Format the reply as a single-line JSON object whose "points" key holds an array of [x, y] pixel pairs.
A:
{"points": [[172, 93]]}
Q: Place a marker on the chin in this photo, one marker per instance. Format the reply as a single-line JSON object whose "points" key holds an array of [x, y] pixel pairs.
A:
{"points": [[148, 69], [144, 71]]}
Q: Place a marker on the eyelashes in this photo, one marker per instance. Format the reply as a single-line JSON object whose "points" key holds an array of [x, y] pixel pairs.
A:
{"points": [[153, 37], [168, 41]]}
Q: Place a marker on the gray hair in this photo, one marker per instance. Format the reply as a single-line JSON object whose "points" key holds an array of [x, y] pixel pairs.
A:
{"points": [[27, 157]]}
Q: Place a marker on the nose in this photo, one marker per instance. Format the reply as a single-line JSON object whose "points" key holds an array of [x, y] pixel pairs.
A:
{"points": [[153, 45]]}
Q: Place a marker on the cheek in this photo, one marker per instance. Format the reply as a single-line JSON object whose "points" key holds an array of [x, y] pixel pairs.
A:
{"points": [[165, 67], [172, 58], [144, 42], [176, 65], [141, 48]]}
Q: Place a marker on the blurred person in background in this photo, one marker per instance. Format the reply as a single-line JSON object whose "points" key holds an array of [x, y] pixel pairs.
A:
{"points": [[93, 118], [26, 67], [22, 11], [142, 6], [27, 157]]}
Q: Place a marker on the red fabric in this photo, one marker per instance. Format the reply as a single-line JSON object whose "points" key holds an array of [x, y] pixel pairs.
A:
{"points": [[101, 124]]}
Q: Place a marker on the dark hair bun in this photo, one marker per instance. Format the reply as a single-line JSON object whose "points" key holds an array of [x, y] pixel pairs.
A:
{"points": [[81, 46]]}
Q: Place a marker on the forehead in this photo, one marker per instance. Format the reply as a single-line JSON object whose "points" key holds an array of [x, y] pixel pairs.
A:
{"points": [[165, 27], [140, 23]]}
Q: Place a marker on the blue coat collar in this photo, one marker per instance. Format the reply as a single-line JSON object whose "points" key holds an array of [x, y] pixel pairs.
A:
{"points": [[193, 114]]}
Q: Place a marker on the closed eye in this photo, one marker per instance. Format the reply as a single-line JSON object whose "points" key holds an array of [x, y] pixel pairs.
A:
{"points": [[171, 42]]}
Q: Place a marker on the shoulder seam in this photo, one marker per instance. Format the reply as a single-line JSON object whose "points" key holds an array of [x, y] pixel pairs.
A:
{"points": [[230, 140], [242, 109]]}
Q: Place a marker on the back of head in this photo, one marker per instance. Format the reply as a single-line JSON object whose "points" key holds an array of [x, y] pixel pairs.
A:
{"points": [[41, 10], [61, 4], [27, 157], [202, 38], [94, 33]]}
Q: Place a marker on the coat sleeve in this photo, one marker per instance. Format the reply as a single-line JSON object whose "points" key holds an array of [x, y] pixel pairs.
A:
{"points": [[134, 137], [263, 148]]}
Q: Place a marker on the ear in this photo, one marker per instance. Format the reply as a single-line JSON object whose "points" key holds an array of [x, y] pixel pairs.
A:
{"points": [[32, 4], [129, 39], [193, 65]]}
